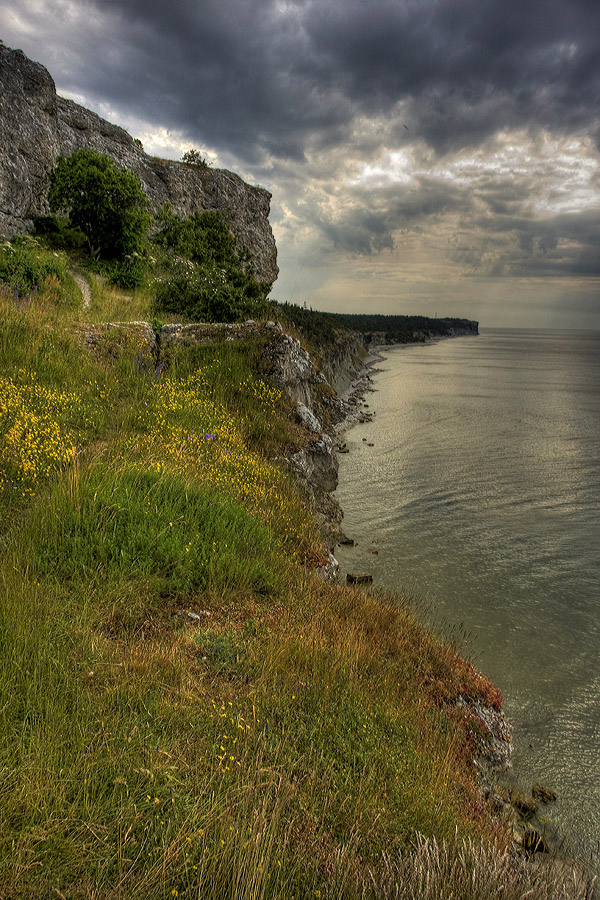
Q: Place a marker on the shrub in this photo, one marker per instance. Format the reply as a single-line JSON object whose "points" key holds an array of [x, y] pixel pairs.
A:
{"points": [[211, 294], [24, 264], [129, 272], [194, 157], [207, 280], [59, 233], [105, 202], [204, 237]]}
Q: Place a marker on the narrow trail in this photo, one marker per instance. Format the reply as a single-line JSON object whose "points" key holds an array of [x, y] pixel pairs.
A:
{"points": [[84, 287]]}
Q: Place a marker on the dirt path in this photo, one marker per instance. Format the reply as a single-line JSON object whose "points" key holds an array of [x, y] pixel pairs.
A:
{"points": [[84, 287]]}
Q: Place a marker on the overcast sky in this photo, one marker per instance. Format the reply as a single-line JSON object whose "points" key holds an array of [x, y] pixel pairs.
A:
{"points": [[424, 156]]}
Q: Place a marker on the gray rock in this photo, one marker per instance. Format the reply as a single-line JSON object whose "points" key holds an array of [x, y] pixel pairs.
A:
{"points": [[37, 126], [495, 749], [292, 369], [543, 794], [316, 464], [330, 570], [309, 420], [96, 338], [359, 578], [523, 802]]}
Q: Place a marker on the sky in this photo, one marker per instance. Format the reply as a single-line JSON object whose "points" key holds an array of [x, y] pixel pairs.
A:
{"points": [[435, 157]]}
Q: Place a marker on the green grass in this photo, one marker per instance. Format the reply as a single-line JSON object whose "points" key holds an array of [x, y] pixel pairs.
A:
{"points": [[110, 526], [185, 710], [112, 304]]}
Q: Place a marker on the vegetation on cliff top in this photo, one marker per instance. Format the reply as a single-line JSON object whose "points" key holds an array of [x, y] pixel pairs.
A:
{"points": [[187, 710]]}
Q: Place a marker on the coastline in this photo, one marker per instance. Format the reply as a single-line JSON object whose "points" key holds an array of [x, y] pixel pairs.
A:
{"points": [[495, 755], [362, 384], [493, 760], [325, 695], [509, 798], [358, 388]]}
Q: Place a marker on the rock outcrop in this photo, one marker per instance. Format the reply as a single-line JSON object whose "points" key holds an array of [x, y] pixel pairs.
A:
{"points": [[37, 126], [344, 360]]}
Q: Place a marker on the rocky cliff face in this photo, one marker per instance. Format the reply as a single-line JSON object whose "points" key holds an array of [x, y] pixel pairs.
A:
{"points": [[290, 368], [37, 126], [344, 360]]}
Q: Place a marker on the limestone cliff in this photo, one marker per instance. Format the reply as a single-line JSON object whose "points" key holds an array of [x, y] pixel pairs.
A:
{"points": [[37, 126]]}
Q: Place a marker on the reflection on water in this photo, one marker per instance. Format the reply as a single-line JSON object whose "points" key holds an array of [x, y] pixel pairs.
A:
{"points": [[482, 496]]}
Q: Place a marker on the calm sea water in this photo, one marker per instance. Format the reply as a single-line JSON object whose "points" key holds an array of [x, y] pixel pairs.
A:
{"points": [[482, 495]]}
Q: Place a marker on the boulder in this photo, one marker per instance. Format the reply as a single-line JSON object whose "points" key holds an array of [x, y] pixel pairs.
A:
{"points": [[543, 794], [524, 803], [359, 578]]}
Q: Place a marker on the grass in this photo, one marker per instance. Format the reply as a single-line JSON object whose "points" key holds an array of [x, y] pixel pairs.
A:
{"points": [[111, 304], [186, 710]]}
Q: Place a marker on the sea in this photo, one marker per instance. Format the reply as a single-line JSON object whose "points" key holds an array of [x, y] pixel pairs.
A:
{"points": [[480, 499]]}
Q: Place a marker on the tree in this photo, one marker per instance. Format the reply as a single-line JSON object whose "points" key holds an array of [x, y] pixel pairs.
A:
{"points": [[194, 158], [105, 202]]}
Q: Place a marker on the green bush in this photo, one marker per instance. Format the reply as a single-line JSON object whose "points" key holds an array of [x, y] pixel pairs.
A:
{"points": [[24, 264], [58, 233], [130, 272], [207, 280], [204, 237], [211, 294], [105, 202]]}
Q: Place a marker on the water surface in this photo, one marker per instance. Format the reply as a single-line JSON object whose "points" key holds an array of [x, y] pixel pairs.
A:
{"points": [[482, 495]]}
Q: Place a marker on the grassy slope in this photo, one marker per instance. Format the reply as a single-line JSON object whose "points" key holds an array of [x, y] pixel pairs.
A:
{"points": [[292, 741]]}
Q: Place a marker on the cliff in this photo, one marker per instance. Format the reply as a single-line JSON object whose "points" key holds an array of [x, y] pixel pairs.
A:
{"points": [[37, 126]]}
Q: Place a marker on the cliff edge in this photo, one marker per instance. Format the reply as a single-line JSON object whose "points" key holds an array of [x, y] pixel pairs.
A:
{"points": [[37, 126]]}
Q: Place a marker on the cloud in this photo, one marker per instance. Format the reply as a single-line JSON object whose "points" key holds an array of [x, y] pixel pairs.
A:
{"points": [[266, 76], [463, 136]]}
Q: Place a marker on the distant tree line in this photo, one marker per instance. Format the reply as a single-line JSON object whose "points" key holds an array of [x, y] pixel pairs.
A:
{"points": [[320, 328]]}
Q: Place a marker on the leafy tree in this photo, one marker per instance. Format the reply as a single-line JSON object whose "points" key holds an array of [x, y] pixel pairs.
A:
{"points": [[105, 202], [195, 158]]}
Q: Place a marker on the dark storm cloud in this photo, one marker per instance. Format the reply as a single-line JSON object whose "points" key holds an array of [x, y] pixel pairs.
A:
{"points": [[468, 68], [270, 76], [495, 105]]}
